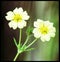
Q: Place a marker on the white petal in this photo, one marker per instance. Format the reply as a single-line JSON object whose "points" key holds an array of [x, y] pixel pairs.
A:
{"points": [[53, 29], [52, 34], [22, 24], [38, 23], [9, 15], [25, 15], [8, 18], [10, 24], [13, 24], [20, 9], [15, 10], [35, 30], [36, 33], [45, 38], [49, 24]]}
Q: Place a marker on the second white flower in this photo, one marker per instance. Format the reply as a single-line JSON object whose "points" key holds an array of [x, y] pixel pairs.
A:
{"points": [[43, 30]]}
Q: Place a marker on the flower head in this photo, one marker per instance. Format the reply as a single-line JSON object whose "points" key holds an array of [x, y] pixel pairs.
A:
{"points": [[43, 30], [17, 18]]}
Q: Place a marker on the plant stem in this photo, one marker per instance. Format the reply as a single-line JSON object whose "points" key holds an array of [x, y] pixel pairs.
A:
{"points": [[16, 56], [31, 43], [20, 36], [25, 41]]}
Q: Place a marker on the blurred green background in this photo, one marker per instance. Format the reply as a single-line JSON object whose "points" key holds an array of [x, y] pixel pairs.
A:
{"points": [[44, 51]]}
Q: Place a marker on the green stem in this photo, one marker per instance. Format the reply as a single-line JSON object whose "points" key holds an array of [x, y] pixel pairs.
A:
{"points": [[16, 56], [20, 36], [31, 43], [25, 41]]}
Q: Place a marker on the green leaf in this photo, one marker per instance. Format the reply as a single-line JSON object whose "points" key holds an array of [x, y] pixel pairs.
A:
{"points": [[29, 30], [15, 41]]}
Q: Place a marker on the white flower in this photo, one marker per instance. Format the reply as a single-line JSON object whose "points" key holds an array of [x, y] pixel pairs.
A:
{"points": [[43, 30], [17, 18]]}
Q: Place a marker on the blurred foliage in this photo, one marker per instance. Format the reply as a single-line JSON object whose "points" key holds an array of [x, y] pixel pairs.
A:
{"points": [[29, 30]]}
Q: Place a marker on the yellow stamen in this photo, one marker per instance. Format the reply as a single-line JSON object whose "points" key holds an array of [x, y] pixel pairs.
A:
{"points": [[43, 29], [17, 18]]}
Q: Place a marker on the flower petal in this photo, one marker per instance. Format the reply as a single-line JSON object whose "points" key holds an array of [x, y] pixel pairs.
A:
{"points": [[15, 10], [25, 15], [45, 38], [8, 18], [22, 24], [47, 23], [38, 23], [36, 33], [9, 15], [12, 24], [18, 10], [52, 34]]}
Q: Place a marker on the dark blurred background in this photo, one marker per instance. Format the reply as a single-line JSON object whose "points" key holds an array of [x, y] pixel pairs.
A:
{"points": [[45, 51]]}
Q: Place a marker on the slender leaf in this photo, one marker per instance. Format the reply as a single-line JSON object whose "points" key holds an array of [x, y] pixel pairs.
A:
{"points": [[15, 41]]}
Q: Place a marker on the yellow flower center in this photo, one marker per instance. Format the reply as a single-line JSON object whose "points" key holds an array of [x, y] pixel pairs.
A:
{"points": [[17, 18], [43, 29]]}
